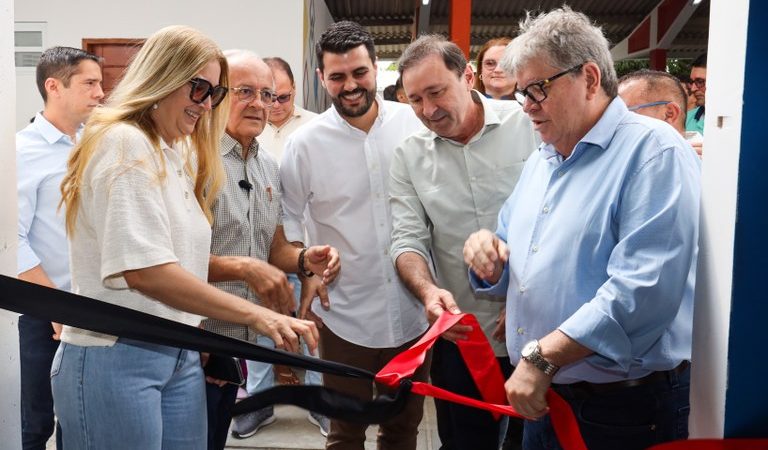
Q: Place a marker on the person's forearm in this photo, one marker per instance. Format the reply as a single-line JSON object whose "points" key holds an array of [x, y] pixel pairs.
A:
{"points": [[174, 286], [37, 275], [227, 268], [283, 254], [414, 272], [559, 349]]}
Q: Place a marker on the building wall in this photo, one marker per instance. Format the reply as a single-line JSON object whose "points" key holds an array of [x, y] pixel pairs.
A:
{"points": [[10, 422], [268, 27]]}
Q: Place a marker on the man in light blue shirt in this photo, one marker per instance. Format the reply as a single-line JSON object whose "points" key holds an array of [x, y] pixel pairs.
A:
{"points": [[69, 81], [595, 249]]}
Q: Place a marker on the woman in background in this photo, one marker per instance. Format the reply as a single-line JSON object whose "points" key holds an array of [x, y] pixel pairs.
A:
{"points": [[491, 80]]}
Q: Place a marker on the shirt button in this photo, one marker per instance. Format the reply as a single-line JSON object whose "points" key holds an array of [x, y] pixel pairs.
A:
{"points": [[522, 289], [559, 173], [520, 331], [179, 172], [472, 178], [535, 248], [186, 194], [545, 210], [389, 279]]}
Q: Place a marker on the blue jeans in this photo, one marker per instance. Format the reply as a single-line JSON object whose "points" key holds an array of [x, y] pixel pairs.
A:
{"points": [[36, 350], [311, 378], [128, 396], [627, 418], [261, 375]]}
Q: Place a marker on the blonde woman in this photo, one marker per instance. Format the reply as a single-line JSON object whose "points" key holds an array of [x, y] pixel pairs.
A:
{"points": [[138, 191]]}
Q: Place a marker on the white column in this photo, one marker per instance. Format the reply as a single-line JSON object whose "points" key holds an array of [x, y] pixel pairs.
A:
{"points": [[10, 422], [720, 170]]}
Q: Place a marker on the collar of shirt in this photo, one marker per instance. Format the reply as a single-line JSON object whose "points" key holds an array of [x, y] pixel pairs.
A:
{"points": [[600, 135], [50, 132], [229, 144], [490, 119], [297, 112]]}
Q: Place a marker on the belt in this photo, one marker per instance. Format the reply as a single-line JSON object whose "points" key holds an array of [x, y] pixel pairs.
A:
{"points": [[601, 388]]}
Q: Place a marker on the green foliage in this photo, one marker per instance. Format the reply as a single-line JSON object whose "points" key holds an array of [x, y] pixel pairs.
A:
{"points": [[676, 67], [626, 66]]}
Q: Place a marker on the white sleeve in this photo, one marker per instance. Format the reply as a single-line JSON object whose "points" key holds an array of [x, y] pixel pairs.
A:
{"points": [[294, 178]]}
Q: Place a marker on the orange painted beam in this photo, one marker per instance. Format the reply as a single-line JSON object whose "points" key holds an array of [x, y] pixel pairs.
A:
{"points": [[459, 24]]}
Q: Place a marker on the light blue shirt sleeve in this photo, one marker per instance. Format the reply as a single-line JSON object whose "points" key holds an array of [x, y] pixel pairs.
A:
{"points": [[647, 269], [27, 186]]}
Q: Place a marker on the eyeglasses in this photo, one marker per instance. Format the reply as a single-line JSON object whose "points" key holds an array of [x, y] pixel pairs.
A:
{"points": [[284, 98], [700, 83], [202, 89], [536, 92], [648, 105], [247, 94], [490, 64]]}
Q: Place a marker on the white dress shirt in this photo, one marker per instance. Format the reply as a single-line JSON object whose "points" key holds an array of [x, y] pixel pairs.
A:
{"points": [[273, 138], [339, 175]]}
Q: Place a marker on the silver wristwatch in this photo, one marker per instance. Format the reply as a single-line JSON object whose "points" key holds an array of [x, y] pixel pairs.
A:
{"points": [[531, 352]]}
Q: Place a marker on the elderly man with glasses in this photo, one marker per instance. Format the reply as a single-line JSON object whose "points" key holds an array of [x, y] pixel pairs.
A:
{"points": [[595, 249], [284, 118], [659, 95], [249, 251]]}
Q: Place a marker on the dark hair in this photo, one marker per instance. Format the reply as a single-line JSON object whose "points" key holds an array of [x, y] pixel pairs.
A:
{"points": [[276, 62], [399, 83], [661, 83], [390, 93], [501, 41], [433, 44], [60, 63], [342, 37], [700, 61]]}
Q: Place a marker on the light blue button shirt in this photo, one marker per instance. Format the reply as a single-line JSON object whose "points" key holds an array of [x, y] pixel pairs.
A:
{"points": [[603, 246], [41, 161]]}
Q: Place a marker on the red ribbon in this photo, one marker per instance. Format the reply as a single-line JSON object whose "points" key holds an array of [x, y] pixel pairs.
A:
{"points": [[482, 364]]}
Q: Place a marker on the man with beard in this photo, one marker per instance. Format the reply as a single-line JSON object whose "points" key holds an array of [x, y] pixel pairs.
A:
{"points": [[335, 174], [695, 119]]}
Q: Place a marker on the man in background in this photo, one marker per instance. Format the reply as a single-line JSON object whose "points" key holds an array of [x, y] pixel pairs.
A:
{"points": [[69, 80], [695, 119], [659, 95]]}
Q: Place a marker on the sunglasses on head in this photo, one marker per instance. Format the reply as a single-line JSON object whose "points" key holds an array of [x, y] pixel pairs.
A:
{"points": [[202, 89]]}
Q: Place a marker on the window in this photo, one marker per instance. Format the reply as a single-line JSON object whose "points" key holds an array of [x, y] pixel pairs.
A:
{"points": [[29, 43]]}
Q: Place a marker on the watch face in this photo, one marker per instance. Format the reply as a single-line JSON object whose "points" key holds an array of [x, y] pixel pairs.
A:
{"points": [[529, 349]]}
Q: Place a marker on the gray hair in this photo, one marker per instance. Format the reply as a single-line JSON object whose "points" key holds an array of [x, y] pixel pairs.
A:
{"points": [[433, 44], [564, 38], [234, 55]]}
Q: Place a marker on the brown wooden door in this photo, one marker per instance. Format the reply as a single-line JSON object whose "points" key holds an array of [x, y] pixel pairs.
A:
{"points": [[115, 54]]}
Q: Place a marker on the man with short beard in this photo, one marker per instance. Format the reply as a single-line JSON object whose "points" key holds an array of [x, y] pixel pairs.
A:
{"points": [[695, 118], [335, 175]]}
